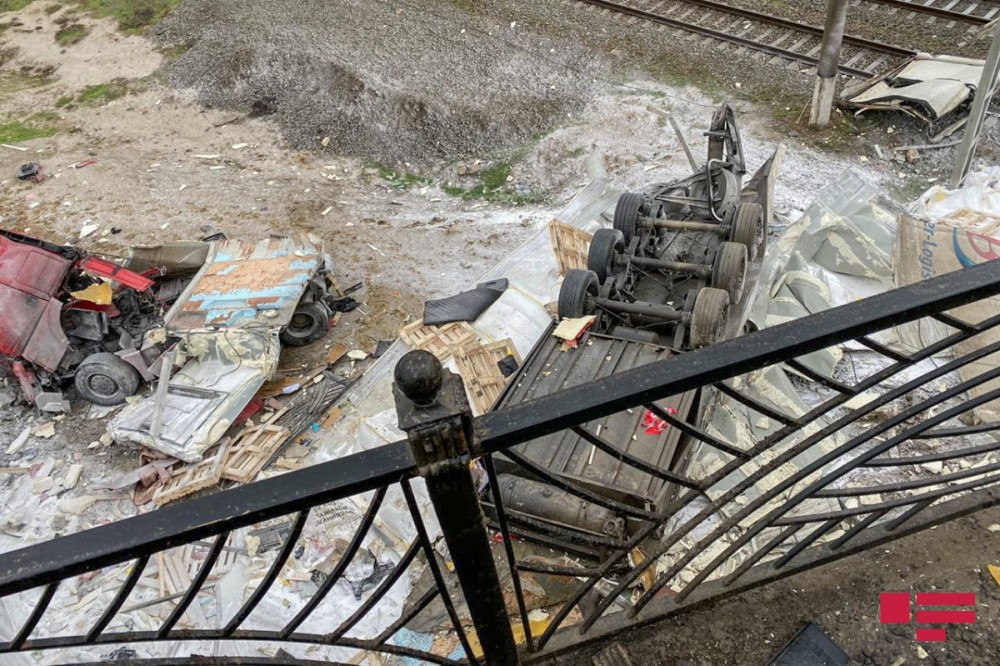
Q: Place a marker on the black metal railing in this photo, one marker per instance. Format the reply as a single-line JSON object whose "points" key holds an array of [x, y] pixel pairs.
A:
{"points": [[790, 464]]}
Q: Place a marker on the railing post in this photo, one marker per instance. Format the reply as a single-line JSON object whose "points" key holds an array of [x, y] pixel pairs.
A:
{"points": [[434, 411]]}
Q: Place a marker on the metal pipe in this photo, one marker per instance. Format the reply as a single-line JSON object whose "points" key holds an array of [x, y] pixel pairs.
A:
{"points": [[984, 94], [642, 308], [701, 270], [680, 135], [685, 225], [829, 59]]}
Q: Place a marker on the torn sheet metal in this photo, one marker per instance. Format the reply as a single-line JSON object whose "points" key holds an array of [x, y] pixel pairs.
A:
{"points": [[228, 320], [203, 398], [519, 314], [927, 87], [840, 249], [246, 282]]}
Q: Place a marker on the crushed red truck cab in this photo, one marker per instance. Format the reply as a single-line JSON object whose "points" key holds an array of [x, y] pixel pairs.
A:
{"points": [[59, 321]]}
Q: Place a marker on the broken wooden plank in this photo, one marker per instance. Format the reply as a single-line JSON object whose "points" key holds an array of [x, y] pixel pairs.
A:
{"points": [[251, 450], [570, 245], [192, 478], [438, 340], [480, 370]]}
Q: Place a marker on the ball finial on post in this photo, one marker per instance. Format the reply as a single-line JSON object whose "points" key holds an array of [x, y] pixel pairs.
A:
{"points": [[419, 376]]}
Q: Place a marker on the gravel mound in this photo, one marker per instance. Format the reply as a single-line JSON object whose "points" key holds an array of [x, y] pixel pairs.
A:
{"points": [[386, 81]]}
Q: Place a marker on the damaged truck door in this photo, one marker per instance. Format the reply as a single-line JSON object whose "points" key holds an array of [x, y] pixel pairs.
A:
{"points": [[225, 333], [62, 321]]}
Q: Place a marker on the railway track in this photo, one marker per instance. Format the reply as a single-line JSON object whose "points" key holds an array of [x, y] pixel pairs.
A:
{"points": [[975, 12], [772, 35]]}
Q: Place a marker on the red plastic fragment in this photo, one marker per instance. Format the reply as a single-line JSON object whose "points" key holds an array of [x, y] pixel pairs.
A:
{"points": [[654, 425], [115, 272]]}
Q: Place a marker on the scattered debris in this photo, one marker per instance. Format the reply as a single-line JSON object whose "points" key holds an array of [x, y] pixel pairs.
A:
{"points": [[811, 646], [934, 89], [571, 328], [19, 441], [251, 450], [72, 476], [482, 368], [438, 340], [31, 171], [570, 246], [85, 163], [193, 478], [466, 306], [45, 431]]}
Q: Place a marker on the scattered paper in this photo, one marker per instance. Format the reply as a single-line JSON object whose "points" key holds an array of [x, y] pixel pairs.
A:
{"points": [[571, 329], [45, 431]]}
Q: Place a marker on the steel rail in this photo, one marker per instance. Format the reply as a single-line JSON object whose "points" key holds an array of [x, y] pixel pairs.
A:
{"points": [[935, 11], [749, 43]]}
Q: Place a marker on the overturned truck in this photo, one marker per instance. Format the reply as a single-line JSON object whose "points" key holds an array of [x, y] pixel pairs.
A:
{"points": [[674, 272]]}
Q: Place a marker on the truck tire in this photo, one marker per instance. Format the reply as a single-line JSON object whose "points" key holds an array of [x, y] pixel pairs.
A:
{"points": [[309, 323], [729, 272], [627, 211], [605, 244], [577, 294], [709, 318], [750, 229], [104, 379]]}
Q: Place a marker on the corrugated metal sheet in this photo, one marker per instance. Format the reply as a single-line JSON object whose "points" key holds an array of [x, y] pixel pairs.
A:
{"points": [[243, 282], [549, 370]]}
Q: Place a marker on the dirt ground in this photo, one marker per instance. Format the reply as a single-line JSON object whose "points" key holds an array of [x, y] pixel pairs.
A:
{"points": [[842, 599], [185, 148]]}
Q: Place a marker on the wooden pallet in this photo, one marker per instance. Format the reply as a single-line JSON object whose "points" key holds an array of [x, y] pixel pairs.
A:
{"points": [[192, 478], [438, 340], [482, 376], [176, 569], [251, 450], [570, 245]]}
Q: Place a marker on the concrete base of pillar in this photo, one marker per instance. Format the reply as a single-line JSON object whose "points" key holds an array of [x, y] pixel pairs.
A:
{"points": [[822, 102]]}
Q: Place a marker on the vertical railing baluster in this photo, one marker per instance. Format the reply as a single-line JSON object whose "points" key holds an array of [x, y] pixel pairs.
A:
{"points": [[434, 411]]}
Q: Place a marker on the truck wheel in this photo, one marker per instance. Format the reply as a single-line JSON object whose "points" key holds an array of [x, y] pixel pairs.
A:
{"points": [[627, 212], [709, 318], [603, 248], [577, 294], [750, 229], [729, 272], [104, 379], [309, 323]]}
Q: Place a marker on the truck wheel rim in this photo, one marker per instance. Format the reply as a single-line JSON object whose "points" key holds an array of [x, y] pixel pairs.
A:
{"points": [[102, 385]]}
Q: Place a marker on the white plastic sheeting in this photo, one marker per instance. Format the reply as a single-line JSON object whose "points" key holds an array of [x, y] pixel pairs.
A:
{"points": [[369, 419], [948, 230]]}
